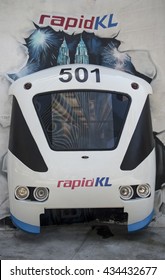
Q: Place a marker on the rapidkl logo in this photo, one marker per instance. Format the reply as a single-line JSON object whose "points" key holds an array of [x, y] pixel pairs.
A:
{"points": [[98, 182], [95, 23]]}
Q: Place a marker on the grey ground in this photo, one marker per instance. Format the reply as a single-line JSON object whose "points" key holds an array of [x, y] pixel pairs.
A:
{"points": [[81, 242]]}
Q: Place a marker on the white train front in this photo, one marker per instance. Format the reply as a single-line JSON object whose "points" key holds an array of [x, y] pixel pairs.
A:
{"points": [[81, 146]]}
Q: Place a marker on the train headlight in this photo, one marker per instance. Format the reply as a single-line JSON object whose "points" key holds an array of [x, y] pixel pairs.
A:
{"points": [[126, 192], [143, 190], [21, 192], [41, 193]]}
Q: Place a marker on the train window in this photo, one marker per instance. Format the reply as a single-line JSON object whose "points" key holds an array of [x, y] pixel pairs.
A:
{"points": [[82, 120]]}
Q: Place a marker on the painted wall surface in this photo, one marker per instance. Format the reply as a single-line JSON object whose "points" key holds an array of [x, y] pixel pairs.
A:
{"points": [[121, 34]]}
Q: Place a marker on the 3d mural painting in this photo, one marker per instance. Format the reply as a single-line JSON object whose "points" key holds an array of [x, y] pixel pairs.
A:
{"points": [[58, 40], [47, 47]]}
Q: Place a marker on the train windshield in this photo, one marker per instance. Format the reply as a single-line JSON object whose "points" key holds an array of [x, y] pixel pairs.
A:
{"points": [[82, 120]]}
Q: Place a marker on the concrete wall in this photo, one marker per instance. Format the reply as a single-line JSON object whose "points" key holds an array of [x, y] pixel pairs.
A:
{"points": [[138, 26]]}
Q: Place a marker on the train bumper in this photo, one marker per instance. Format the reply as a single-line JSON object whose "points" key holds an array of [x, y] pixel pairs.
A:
{"points": [[36, 229]]}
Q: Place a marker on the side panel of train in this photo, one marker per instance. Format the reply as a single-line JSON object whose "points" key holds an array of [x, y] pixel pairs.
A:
{"points": [[81, 145]]}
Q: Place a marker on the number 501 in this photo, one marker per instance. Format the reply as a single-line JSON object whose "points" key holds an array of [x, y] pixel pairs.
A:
{"points": [[81, 74]]}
